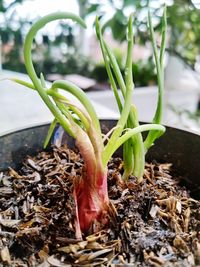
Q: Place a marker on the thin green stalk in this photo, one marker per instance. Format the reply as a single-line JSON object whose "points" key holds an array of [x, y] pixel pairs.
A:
{"points": [[121, 140], [128, 158], [29, 65], [42, 80], [152, 136], [116, 69], [107, 65], [94, 135], [141, 128], [65, 112], [81, 96], [119, 127], [54, 122], [57, 96], [137, 149], [128, 149], [21, 82], [80, 113], [128, 94], [163, 40], [158, 115], [60, 98], [127, 155], [50, 132], [137, 146], [128, 67]]}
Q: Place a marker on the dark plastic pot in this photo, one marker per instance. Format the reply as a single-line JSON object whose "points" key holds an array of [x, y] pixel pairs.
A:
{"points": [[181, 148]]}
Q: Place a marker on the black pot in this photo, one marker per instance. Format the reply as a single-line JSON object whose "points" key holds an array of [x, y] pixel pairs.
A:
{"points": [[181, 148]]}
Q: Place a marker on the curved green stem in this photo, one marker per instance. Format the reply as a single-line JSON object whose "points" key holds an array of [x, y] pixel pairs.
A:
{"points": [[42, 80], [116, 69], [128, 149], [21, 82], [107, 65], [158, 115], [129, 134], [119, 127], [164, 35], [94, 136], [128, 93], [128, 67], [80, 113], [50, 132], [29, 65], [137, 145], [81, 96], [152, 136], [128, 159]]}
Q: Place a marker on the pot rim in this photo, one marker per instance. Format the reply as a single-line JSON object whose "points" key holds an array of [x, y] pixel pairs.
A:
{"points": [[39, 124]]}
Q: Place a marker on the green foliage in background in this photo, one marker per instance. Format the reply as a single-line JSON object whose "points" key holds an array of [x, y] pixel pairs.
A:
{"points": [[183, 22], [184, 37], [143, 72]]}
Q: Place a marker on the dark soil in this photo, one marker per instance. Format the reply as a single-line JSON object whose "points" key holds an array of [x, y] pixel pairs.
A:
{"points": [[157, 223]]}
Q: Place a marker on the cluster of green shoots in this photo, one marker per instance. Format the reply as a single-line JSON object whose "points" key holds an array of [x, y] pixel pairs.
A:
{"points": [[91, 193]]}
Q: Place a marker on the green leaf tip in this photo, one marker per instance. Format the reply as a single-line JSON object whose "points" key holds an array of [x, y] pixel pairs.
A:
{"points": [[165, 16], [97, 27], [130, 21]]}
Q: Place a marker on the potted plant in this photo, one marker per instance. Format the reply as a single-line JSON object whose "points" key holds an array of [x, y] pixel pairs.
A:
{"points": [[88, 209]]}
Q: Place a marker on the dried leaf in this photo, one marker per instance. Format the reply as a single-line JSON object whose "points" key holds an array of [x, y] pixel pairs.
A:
{"points": [[196, 247], [33, 165], [43, 255], [9, 223], [41, 209], [7, 181], [29, 231], [34, 177], [153, 211], [186, 219], [6, 191], [94, 246], [180, 244], [56, 262], [14, 174], [178, 206], [99, 253], [5, 255], [95, 237]]}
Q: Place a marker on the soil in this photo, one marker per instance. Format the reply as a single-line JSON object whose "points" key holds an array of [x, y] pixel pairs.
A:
{"points": [[156, 223]]}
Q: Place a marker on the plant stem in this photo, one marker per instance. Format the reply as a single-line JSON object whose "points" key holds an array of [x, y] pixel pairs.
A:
{"points": [[126, 93], [128, 149], [152, 136], [130, 133], [119, 127], [107, 65], [136, 146], [81, 96], [50, 132], [29, 65], [163, 40]]}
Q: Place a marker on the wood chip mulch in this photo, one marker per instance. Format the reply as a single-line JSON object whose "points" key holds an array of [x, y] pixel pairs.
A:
{"points": [[157, 223]]}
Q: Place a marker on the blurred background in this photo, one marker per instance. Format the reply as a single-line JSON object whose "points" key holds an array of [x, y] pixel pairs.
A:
{"points": [[63, 50]]}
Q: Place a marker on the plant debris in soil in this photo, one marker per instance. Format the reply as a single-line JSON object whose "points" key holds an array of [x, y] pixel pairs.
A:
{"points": [[156, 223]]}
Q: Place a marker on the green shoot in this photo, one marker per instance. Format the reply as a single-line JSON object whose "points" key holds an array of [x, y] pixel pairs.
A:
{"points": [[152, 136], [135, 149], [91, 193]]}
